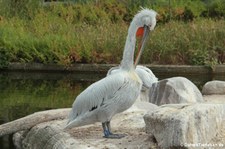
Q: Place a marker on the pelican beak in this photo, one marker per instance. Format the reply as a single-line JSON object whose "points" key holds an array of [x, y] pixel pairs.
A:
{"points": [[141, 48]]}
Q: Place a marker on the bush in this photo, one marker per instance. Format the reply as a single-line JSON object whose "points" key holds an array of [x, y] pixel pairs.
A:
{"points": [[21, 8], [215, 9]]}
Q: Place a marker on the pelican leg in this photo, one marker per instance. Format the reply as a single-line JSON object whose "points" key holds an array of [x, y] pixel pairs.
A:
{"points": [[109, 127], [107, 131]]}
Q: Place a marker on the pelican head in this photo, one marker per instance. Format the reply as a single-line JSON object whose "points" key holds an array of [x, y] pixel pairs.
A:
{"points": [[143, 22], [146, 17], [146, 22]]}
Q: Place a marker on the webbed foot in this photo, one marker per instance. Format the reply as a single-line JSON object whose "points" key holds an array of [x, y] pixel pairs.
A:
{"points": [[107, 132], [114, 136]]}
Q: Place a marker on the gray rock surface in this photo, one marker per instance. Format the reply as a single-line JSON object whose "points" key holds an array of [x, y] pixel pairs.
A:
{"points": [[174, 90], [51, 135], [215, 98], [44, 136], [129, 122], [214, 87], [178, 125]]}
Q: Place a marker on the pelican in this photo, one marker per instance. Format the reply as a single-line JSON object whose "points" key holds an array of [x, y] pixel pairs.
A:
{"points": [[117, 92]]}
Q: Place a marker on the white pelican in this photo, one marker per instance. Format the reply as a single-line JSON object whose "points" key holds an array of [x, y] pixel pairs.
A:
{"points": [[115, 93]]}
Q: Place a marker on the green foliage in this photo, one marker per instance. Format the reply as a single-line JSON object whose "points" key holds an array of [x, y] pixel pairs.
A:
{"points": [[21, 8], [95, 32], [200, 42], [4, 58], [215, 9]]}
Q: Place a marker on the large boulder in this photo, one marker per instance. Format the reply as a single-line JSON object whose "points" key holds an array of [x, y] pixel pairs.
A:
{"points": [[214, 87], [181, 125], [174, 90]]}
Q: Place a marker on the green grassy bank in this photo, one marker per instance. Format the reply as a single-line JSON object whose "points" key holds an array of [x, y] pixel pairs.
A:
{"points": [[94, 32]]}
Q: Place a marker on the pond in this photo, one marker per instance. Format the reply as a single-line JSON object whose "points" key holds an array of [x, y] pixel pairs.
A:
{"points": [[23, 93]]}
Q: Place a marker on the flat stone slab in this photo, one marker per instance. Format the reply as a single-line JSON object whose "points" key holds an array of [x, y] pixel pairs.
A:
{"points": [[130, 122], [177, 125], [214, 87]]}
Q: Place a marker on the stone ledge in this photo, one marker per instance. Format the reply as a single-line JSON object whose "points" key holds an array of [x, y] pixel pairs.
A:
{"points": [[180, 69]]}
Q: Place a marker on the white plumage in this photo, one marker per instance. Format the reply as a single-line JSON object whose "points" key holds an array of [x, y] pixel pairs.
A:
{"points": [[115, 93], [144, 73], [147, 77], [103, 99]]}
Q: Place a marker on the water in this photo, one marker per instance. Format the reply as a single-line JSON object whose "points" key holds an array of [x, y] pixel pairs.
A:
{"points": [[24, 93]]}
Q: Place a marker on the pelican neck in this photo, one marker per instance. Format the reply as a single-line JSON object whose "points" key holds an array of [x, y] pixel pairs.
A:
{"points": [[127, 62]]}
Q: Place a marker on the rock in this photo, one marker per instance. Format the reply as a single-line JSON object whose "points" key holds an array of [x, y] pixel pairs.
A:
{"points": [[174, 90], [215, 98], [18, 138], [144, 106], [45, 135], [177, 125], [129, 122], [51, 135], [133, 117], [143, 96], [214, 87]]}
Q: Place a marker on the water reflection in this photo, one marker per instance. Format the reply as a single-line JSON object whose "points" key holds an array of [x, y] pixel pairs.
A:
{"points": [[24, 93]]}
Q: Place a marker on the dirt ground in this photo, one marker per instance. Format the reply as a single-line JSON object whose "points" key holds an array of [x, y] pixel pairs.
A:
{"points": [[130, 123], [92, 137]]}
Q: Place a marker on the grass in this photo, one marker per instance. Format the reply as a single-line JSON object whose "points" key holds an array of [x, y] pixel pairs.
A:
{"points": [[61, 35], [201, 42], [55, 41]]}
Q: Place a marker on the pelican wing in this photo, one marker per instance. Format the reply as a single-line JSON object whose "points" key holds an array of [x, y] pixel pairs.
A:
{"points": [[97, 94]]}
